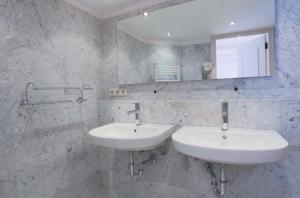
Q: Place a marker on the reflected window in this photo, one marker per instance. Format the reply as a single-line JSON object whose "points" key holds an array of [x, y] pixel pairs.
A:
{"points": [[244, 56]]}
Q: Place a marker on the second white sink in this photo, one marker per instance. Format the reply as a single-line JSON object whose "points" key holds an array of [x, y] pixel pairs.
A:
{"points": [[128, 136], [235, 146]]}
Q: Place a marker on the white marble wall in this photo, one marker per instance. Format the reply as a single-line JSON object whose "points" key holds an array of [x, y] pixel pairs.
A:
{"points": [[44, 151], [264, 103]]}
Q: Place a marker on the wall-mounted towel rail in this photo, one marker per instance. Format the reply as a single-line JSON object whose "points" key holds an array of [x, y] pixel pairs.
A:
{"points": [[26, 103]]}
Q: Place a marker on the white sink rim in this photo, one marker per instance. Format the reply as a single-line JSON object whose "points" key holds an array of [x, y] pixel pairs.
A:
{"points": [[188, 142], [114, 138]]}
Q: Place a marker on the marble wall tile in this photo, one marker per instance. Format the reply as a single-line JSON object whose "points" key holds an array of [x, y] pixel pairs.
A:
{"points": [[44, 150]]}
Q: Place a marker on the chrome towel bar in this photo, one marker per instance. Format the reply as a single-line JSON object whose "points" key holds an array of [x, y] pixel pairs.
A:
{"points": [[26, 103]]}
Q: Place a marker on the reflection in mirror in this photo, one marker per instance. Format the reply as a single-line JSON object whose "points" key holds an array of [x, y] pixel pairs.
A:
{"points": [[243, 54], [198, 40]]}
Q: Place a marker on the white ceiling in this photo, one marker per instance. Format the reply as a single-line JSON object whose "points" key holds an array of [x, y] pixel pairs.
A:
{"points": [[110, 8], [197, 21]]}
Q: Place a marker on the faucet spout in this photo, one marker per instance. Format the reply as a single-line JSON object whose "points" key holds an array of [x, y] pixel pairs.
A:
{"points": [[137, 113]]}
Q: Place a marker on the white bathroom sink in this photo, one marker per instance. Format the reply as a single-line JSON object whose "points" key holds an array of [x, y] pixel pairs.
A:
{"points": [[128, 136], [238, 146]]}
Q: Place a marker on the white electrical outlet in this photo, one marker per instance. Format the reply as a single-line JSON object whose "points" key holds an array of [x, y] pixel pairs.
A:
{"points": [[118, 92]]}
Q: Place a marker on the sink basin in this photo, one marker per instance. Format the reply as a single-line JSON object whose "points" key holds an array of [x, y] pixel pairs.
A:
{"points": [[128, 136], [235, 146]]}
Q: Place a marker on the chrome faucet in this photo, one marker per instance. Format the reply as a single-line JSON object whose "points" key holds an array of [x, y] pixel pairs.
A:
{"points": [[224, 125], [137, 113]]}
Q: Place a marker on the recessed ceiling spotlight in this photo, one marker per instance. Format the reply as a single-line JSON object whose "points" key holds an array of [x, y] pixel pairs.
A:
{"points": [[169, 34], [232, 23], [145, 13]]}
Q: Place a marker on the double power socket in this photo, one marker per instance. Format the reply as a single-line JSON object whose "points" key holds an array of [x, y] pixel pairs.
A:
{"points": [[118, 92]]}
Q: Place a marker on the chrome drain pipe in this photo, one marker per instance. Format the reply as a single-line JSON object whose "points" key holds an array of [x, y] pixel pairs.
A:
{"points": [[135, 173], [218, 187], [139, 172]]}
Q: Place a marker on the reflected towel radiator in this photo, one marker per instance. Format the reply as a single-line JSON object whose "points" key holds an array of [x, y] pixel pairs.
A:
{"points": [[167, 73]]}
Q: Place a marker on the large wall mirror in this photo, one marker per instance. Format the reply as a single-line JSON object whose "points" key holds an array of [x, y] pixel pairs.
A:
{"points": [[198, 40]]}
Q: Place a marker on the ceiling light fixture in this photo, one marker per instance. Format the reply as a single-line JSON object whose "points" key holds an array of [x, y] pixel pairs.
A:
{"points": [[145, 13], [232, 23]]}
